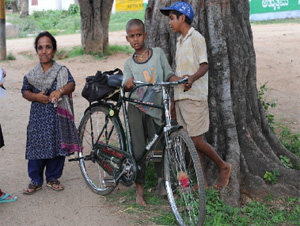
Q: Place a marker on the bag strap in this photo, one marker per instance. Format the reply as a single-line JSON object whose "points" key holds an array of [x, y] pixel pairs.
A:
{"points": [[113, 71]]}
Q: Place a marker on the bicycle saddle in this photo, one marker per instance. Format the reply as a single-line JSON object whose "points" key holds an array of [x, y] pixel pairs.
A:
{"points": [[115, 80]]}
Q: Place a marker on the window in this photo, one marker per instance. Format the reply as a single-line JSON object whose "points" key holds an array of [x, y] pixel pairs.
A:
{"points": [[34, 2]]}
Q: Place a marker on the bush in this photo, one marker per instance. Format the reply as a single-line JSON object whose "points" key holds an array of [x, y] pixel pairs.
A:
{"points": [[290, 141], [73, 9]]}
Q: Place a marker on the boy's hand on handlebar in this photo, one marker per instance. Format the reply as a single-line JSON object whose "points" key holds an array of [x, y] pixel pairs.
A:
{"points": [[129, 85], [188, 85]]}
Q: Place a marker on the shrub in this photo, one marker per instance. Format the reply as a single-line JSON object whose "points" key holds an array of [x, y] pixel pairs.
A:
{"points": [[73, 9]]}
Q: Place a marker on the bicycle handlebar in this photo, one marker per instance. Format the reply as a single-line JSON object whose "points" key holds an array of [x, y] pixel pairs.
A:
{"points": [[181, 81]]}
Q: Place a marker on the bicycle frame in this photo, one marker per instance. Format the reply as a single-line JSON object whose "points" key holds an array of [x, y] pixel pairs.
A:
{"points": [[125, 138]]}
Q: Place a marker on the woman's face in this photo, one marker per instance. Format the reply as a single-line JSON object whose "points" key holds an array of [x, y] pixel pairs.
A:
{"points": [[45, 50]]}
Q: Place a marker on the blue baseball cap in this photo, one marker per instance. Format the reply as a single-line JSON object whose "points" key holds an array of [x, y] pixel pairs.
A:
{"points": [[182, 7]]}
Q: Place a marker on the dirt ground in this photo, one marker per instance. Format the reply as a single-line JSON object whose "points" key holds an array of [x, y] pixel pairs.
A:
{"points": [[278, 63]]}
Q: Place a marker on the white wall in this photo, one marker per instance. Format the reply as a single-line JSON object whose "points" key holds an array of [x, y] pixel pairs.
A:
{"points": [[50, 4]]}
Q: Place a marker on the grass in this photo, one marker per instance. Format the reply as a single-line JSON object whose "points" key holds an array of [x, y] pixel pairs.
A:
{"points": [[278, 21], [77, 51], [271, 211]]}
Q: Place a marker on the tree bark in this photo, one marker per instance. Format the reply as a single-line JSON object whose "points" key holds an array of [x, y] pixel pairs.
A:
{"points": [[239, 130], [14, 6], [95, 15], [24, 9]]}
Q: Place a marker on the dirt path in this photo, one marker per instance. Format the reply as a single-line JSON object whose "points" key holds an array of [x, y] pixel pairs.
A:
{"points": [[278, 63]]}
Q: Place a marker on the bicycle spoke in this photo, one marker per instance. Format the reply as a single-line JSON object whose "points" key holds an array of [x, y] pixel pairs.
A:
{"points": [[183, 179], [96, 127]]}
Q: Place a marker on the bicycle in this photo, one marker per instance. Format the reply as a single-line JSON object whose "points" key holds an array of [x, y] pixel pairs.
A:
{"points": [[107, 159]]}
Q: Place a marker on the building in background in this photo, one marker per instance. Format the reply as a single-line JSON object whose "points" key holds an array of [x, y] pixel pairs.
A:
{"points": [[40, 5]]}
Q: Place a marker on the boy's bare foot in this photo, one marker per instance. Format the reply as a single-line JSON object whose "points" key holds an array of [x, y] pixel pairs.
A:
{"points": [[140, 195], [224, 177], [140, 200]]}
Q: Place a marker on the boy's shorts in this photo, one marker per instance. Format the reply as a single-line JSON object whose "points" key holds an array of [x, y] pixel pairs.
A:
{"points": [[193, 116]]}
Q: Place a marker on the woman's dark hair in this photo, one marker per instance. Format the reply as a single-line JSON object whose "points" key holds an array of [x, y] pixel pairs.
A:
{"points": [[43, 34], [178, 14]]}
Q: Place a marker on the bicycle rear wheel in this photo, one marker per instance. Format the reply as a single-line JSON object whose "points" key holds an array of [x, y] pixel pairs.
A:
{"points": [[91, 125], [184, 180]]}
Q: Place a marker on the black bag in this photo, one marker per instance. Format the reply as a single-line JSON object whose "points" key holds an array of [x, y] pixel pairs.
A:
{"points": [[97, 87]]}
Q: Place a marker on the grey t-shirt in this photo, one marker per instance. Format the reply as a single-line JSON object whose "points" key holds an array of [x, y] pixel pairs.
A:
{"points": [[155, 69]]}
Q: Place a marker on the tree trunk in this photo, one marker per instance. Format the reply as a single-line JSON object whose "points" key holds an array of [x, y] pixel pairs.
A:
{"points": [[14, 6], [24, 9], [239, 131], [95, 17]]}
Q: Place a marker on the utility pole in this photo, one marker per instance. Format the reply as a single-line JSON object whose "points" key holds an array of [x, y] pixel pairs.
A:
{"points": [[2, 31]]}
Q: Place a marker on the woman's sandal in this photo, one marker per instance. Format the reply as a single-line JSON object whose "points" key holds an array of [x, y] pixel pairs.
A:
{"points": [[54, 185], [32, 187]]}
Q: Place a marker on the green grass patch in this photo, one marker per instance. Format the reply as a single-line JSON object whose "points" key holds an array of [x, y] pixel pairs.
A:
{"points": [[10, 56], [119, 20], [271, 211], [76, 51], [119, 49], [290, 141], [278, 21]]}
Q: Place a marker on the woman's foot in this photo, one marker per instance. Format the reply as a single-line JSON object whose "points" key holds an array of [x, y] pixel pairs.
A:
{"points": [[7, 198], [224, 177], [31, 189], [55, 185]]}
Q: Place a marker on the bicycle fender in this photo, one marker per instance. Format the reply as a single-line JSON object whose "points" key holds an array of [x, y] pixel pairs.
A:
{"points": [[174, 128]]}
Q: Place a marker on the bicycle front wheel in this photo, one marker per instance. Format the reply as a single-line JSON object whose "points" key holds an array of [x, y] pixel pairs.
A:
{"points": [[184, 180], [94, 125]]}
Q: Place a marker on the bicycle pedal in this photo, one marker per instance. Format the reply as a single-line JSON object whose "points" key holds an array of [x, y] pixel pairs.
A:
{"points": [[109, 181]]}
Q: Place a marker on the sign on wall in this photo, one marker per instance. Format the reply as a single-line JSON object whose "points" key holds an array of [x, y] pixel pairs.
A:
{"points": [[128, 5], [274, 9]]}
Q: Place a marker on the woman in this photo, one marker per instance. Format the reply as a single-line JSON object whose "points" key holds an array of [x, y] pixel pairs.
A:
{"points": [[51, 132], [4, 197]]}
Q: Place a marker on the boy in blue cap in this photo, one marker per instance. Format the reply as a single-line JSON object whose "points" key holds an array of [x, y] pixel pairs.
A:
{"points": [[191, 99]]}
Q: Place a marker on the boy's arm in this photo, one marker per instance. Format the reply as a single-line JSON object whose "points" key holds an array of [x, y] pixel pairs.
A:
{"points": [[174, 78], [192, 78]]}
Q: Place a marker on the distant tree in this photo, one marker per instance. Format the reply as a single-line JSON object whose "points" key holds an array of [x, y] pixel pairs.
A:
{"points": [[24, 9], [95, 15], [14, 6]]}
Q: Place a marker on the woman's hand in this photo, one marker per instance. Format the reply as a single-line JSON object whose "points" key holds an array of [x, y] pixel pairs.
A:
{"points": [[42, 98], [3, 76], [3, 73], [55, 95]]}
